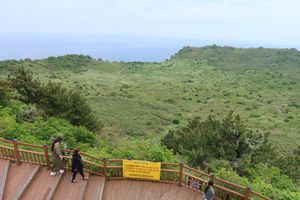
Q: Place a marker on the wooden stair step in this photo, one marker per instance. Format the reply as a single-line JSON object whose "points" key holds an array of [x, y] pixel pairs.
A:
{"points": [[43, 186], [192, 194], [136, 190], [18, 179], [124, 189], [170, 195], [180, 193], [68, 190], [4, 167], [95, 188]]}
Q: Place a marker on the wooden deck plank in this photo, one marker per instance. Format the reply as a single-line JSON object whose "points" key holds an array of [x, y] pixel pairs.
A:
{"points": [[43, 186], [95, 188], [18, 179], [4, 167], [169, 195], [70, 191], [135, 190]]}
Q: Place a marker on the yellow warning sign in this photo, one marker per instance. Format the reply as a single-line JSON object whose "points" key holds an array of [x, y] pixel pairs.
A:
{"points": [[141, 169]]}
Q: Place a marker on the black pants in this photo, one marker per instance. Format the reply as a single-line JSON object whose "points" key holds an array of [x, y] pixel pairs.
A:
{"points": [[75, 172]]}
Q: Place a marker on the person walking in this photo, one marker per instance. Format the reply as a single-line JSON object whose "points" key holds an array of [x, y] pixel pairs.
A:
{"points": [[77, 165], [57, 158], [209, 193]]}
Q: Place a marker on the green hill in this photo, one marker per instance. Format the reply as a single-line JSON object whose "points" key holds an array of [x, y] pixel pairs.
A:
{"points": [[138, 99]]}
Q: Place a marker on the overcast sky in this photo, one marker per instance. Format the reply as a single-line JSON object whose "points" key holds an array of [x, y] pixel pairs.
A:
{"points": [[266, 22], [259, 20]]}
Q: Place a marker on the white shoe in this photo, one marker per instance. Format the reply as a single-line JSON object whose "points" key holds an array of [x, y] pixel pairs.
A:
{"points": [[52, 174], [61, 171]]}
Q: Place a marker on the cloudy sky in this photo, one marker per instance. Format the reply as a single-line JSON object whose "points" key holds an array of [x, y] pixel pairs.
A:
{"points": [[266, 22]]}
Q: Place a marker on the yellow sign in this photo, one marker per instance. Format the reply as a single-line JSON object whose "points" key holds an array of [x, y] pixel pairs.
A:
{"points": [[141, 169]]}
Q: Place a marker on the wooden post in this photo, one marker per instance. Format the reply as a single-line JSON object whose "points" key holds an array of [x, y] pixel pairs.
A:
{"points": [[104, 160], [247, 193], [180, 174], [16, 151], [46, 153]]}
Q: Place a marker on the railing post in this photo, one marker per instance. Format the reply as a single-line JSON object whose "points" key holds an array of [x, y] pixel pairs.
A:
{"points": [[16, 151], [46, 153], [180, 174], [104, 164], [247, 193]]}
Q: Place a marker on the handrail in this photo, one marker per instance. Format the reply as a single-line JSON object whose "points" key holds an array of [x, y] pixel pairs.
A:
{"points": [[229, 183], [114, 160], [1, 146], [85, 155], [32, 152], [197, 171], [229, 190], [30, 145], [260, 195], [170, 164], [7, 141], [178, 173]]}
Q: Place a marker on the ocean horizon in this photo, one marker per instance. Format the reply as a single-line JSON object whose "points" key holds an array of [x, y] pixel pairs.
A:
{"points": [[106, 47]]}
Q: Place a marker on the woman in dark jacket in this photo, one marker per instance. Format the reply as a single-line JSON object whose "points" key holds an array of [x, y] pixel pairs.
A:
{"points": [[209, 193], [77, 165]]}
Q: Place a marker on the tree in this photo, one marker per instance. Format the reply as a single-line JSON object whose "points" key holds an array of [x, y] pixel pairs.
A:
{"points": [[30, 89], [5, 91], [290, 164], [55, 100], [228, 139]]}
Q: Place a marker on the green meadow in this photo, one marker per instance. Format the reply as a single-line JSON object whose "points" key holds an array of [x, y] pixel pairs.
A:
{"points": [[144, 100], [177, 110]]}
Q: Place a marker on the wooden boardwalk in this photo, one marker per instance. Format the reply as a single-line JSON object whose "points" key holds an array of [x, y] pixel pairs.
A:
{"points": [[4, 166], [18, 179], [33, 182], [95, 188], [68, 190], [43, 187], [123, 189]]}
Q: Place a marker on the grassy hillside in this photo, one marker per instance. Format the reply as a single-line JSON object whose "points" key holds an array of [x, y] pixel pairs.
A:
{"points": [[139, 99]]}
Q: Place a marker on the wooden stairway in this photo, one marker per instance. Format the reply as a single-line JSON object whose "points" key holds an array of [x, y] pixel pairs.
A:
{"points": [[4, 166], [18, 179], [95, 188], [43, 187], [33, 182]]}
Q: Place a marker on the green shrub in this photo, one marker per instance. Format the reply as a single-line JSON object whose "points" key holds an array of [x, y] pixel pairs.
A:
{"points": [[175, 121], [227, 139], [55, 100]]}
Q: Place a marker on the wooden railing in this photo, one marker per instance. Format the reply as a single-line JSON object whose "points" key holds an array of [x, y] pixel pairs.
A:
{"points": [[113, 169]]}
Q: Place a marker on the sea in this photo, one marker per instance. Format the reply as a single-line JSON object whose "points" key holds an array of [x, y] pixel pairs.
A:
{"points": [[108, 47]]}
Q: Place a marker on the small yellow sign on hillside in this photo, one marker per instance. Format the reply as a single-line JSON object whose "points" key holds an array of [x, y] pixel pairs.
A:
{"points": [[141, 169]]}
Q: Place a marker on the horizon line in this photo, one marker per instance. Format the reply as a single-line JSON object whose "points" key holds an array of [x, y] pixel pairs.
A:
{"points": [[170, 56]]}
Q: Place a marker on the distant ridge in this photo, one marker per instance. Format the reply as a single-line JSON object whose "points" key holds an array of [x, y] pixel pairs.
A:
{"points": [[248, 58]]}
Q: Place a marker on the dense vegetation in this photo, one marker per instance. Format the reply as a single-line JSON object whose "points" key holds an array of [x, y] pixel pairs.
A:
{"points": [[230, 149], [228, 139], [54, 100], [176, 110]]}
